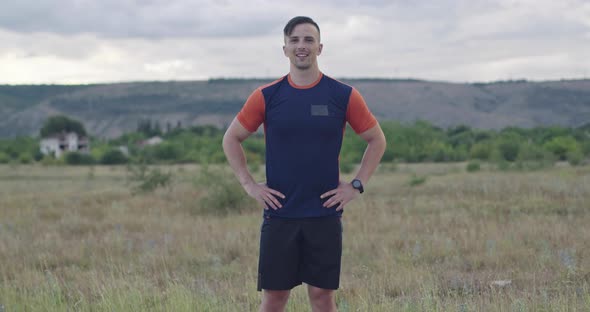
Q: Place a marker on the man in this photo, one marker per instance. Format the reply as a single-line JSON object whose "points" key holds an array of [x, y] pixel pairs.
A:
{"points": [[304, 116]]}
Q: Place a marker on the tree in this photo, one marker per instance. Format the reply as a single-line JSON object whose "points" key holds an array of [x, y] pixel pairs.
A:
{"points": [[562, 146], [113, 157], [60, 123], [149, 128]]}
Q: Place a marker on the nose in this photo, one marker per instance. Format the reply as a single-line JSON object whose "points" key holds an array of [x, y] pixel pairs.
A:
{"points": [[301, 45]]}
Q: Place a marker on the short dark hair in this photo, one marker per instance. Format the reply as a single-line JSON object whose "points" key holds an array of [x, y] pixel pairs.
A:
{"points": [[297, 20]]}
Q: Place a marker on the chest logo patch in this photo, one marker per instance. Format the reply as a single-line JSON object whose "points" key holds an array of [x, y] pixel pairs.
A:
{"points": [[319, 110]]}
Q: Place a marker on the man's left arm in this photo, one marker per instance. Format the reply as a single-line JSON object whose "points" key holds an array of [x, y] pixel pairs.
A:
{"points": [[375, 148], [373, 153]]}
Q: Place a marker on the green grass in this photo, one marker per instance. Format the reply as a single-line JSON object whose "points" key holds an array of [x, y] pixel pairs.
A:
{"points": [[77, 239]]}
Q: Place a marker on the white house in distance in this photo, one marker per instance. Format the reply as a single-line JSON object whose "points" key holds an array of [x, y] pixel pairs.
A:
{"points": [[151, 141], [57, 144]]}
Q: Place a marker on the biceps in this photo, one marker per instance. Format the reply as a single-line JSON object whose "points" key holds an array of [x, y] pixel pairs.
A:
{"points": [[237, 131], [373, 133]]}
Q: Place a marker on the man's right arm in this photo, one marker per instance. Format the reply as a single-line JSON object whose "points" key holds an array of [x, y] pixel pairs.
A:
{"points": [[232, 147]]}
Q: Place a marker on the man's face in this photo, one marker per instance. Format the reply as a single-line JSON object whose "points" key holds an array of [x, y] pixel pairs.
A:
{"points": [[303, 46]]}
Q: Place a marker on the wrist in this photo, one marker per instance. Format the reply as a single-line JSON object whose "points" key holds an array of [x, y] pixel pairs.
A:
{"points": [[357, 185], [248, 184]]}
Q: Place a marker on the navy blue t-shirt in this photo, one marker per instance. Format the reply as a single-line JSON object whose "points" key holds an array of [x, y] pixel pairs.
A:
{"points": [[304, 127]]}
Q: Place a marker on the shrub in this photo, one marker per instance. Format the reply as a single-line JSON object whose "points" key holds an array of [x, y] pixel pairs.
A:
{"points": [[223, 193], [509, 149], [113, 157], [416, 180], [144, 179], [534, 152], [481, 150], [48, 160], [75, 158], [562, 146], [473, 166], [534, 157], [575, 158], [25, 159], [4, 159], [37, 155]]}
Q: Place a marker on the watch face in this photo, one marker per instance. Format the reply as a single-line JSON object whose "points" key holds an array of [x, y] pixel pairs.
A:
{"points": [[356, 183]]}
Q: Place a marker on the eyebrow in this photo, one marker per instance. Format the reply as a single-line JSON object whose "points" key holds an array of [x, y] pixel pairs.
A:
{"points": [[304, 37]]}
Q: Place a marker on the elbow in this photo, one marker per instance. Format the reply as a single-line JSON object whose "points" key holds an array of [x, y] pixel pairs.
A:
{"points": [[380, 144], [379, 141], [226, 141], [383, 145]]}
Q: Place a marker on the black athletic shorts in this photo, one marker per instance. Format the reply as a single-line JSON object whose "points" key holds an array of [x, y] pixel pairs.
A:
{"points": [[295, 251]]}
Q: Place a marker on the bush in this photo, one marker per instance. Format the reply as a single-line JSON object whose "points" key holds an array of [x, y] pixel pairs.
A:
{"points": [[416, 180], [4, 159], [224, 194], [144, 179], [38, 156], [473, 166], [575, 158], [509, 149], [75, 158], [534, 152], [49, 160], [113, 157], [481, 150], [441, 152], [25, 159], [167, 151], [534, 157], [562, 146]]}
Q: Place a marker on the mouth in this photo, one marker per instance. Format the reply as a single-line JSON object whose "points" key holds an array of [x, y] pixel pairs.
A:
{"points": [[301, 54]]}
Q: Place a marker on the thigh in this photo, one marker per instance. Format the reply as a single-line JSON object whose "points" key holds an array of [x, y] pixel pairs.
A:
{"points": [[278, 264], [322, 252]]}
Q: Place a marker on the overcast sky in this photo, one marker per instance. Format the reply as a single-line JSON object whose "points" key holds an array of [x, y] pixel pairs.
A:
{"points": [[87, 41]]}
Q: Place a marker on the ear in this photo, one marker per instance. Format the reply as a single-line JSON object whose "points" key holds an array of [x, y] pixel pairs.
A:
{"points": [[320, 49], [285, 50]]}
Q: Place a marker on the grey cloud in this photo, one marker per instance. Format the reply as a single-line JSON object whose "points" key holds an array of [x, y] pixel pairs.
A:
{"points": [[444, 39], [144, 19]]}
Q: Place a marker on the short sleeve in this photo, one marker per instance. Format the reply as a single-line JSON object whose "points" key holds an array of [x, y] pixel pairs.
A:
{"points": [[358, 115], [252, 114]]}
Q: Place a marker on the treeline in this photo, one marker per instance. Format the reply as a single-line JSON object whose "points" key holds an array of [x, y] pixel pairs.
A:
{"points": [[417, 142]]}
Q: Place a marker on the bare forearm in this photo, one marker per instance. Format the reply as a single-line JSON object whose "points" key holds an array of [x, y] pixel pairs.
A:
{"points": [[237, 160], [371, 158]]}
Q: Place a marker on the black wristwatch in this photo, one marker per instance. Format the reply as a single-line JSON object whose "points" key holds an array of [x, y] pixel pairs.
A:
{"points": [[358, 185]]}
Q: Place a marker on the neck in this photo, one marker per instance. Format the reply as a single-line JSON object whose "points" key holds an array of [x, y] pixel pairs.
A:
{"points": [[304, 77]]}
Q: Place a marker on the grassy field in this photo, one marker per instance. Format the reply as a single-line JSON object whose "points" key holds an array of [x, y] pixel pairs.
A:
{"points": [[423, 237]]}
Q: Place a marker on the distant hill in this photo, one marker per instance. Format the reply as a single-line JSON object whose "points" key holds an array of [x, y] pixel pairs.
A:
{"points": [[108, 110]]}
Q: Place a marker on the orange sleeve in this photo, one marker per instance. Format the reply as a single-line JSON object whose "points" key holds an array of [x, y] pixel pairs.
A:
{"points": [[252, 114], [358, 115]]}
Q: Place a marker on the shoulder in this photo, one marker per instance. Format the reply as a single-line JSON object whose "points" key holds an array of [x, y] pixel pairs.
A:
{"points": [[272, 86], [338, 85]]}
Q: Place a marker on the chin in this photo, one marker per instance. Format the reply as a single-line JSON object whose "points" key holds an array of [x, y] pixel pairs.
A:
{"points": [[303, 66]]}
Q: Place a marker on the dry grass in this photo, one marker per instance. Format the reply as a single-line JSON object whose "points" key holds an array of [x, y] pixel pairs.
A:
{"points": [[76, 239]]}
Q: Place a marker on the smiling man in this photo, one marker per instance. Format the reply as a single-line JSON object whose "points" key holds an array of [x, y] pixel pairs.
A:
{"points": [[304, 115]]}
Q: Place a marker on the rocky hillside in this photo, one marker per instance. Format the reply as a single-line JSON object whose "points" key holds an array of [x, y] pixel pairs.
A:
{"points": [[108, 110]]}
